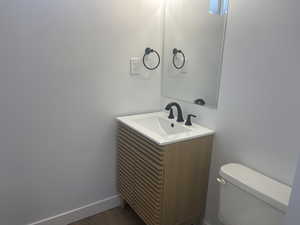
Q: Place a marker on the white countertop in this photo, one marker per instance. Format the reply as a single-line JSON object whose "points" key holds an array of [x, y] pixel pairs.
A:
{"points": [[158, 128]]}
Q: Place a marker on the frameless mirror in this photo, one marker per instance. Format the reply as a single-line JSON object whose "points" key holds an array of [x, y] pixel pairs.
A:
{"points": [[193, 48]]}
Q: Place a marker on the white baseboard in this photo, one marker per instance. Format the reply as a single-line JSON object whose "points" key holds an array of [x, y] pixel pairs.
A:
{"points": [[82, 212], [205, 222]]}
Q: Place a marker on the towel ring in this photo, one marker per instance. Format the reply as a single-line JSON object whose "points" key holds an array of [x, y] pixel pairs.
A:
{"points": [[175, 52], [199, 101], [147, 52]]}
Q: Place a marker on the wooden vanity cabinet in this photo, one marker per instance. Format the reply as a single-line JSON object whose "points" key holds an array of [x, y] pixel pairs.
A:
{"points": [[164, 185]]}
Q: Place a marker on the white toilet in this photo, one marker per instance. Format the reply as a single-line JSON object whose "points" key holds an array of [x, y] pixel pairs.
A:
{"points": [[250, 198]]}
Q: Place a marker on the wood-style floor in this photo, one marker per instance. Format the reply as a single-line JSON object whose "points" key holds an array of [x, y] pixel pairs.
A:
{"points": [[116, 216]]}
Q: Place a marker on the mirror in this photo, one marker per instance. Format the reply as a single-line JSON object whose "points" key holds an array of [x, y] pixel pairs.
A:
{"points": [[193, 49]]}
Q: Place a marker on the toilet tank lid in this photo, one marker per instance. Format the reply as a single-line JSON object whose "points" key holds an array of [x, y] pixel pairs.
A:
{"points": [[271, 191]]}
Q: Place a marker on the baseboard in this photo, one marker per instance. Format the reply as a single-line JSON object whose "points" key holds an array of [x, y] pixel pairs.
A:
{"points": [[205, 222], [82, 212]]}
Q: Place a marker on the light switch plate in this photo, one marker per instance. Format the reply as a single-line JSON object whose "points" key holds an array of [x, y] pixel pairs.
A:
{"points": [[135, 66]]}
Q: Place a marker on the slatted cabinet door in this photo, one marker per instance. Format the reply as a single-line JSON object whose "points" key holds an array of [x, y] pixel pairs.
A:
{"points": [[148, 174], [126, 169]]}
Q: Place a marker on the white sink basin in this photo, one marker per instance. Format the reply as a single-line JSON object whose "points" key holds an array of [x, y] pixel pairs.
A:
{"points": [[161, 126], [160, 129]]}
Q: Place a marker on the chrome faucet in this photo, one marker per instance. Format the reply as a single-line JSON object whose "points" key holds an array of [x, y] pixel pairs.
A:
{"points": [[179, 110]]}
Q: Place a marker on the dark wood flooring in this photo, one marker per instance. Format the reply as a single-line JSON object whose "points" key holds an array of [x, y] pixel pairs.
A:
{"points": [[116, 216]]}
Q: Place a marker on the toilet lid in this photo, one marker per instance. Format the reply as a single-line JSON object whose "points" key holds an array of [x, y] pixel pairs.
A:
{"points": [[271, 191]]}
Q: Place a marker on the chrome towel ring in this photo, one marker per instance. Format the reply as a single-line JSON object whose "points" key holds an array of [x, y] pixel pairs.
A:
{"points": [[175, 52], [147, 52]]}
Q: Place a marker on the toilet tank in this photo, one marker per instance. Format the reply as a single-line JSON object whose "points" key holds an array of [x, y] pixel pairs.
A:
{"points": [[250, 198]]}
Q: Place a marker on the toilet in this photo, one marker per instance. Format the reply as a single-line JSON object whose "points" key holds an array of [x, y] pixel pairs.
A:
{"points": [[251, 198]]}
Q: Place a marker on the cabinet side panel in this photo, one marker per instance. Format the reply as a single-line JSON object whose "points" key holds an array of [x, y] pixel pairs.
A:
{"points": [[170, 185], [186, 180]]}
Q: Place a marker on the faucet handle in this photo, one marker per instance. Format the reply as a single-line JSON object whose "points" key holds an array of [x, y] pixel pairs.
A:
{"points": [[171, 115], [189, 119]]}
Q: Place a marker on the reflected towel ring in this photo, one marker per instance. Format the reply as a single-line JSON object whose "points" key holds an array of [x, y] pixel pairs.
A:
{"points": [[175, 52], [199, 101], [147, 52]]}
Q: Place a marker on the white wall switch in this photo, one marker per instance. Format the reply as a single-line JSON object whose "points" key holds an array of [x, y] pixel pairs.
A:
{"points": [[135, 66]]}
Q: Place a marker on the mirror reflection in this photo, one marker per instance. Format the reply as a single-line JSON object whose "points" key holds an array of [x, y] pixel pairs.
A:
{"points": [[193, 47]]}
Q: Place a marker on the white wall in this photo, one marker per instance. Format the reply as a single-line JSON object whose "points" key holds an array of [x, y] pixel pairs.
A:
{"points": [[258, 115], [63, 78]]}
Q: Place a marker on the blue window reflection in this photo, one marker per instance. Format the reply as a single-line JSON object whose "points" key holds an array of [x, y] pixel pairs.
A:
{"points": [[224, 7], [218, 7]]}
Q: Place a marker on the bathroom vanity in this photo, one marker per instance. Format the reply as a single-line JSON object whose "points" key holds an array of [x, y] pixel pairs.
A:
{"points": [[163, 168]]}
